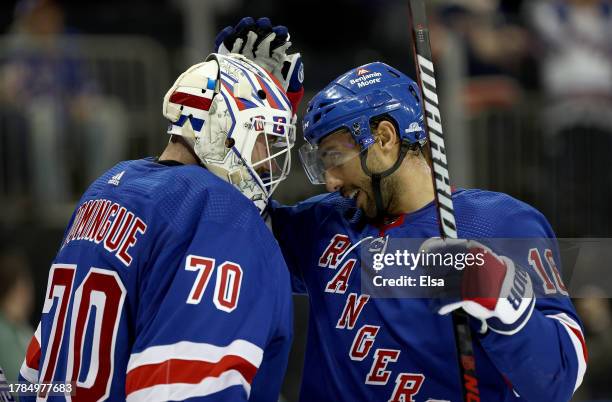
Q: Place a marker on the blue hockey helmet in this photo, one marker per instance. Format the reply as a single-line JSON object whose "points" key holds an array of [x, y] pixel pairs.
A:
{"points": [[351, 101]]}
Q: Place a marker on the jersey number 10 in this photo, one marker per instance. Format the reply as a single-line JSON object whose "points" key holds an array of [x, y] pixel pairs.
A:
{"points": [[535, 260]]}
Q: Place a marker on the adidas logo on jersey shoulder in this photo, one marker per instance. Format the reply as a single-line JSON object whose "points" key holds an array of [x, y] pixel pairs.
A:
{"points": [[116, 179]]}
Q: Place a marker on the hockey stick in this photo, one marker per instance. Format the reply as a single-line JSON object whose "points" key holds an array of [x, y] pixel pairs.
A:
{"points": [[441, 181]]}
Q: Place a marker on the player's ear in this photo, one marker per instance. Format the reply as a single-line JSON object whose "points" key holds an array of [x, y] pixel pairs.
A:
{"points": [[386, 136]]}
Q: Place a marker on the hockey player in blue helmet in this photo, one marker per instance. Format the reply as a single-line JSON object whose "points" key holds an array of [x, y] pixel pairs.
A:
{"points": [[370, 108], [365, 142]]}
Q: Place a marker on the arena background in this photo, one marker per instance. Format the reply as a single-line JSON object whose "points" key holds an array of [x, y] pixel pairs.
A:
{"points": [[526, 95]]}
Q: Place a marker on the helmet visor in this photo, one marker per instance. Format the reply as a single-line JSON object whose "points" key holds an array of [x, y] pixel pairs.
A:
{"points": [[333, 151]]}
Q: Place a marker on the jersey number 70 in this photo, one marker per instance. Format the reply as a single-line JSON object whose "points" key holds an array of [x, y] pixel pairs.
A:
{"points": [[99, 298], [227, 287]]}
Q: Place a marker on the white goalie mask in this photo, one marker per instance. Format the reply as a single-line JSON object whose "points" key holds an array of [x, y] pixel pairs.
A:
{"points": [[238, 121]]}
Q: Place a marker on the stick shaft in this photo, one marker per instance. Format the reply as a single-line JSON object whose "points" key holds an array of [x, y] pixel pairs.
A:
{"points": [[441, 181]]}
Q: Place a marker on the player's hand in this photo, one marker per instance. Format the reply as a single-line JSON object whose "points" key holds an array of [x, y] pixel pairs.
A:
{"points": [[491, 288], [267, 46]]}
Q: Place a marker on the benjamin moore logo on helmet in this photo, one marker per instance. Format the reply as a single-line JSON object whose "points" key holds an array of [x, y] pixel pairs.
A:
{"points": [[365, 78]]}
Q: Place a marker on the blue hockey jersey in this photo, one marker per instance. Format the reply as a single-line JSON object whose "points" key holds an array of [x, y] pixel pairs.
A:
{"points": [[362, 348], [168, 286]]}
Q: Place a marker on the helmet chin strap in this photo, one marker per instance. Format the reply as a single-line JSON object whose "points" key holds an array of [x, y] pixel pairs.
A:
{"points": [[377, 177]]}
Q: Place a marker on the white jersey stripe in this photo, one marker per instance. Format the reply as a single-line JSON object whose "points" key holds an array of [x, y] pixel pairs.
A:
{"points": [[197, 351], [27, 372], [570, 326], [37, 333], [179, 392]]}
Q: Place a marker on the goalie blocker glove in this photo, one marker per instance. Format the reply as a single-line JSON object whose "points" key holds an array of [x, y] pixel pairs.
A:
{"points": [[267, 46]]}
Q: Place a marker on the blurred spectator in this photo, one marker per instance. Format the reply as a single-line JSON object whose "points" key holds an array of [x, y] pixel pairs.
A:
{"points": [[44, 81], [494, 45], [16, 302], [596, 313], [495, 49], [576, 47], [576, 75]]}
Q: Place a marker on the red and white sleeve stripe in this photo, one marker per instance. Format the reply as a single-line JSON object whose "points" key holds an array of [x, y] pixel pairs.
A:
{"points": [[187, 369], [577, 338], [31, 363]]}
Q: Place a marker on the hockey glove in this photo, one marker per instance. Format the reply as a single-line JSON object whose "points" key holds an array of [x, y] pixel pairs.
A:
{"points": [[492, 288], [267, 46]]}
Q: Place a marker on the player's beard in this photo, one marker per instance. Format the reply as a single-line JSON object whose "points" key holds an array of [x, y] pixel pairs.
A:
{"points": [[388, 188]]}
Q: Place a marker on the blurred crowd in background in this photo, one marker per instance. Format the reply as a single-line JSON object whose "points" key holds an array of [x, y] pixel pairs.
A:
{"points": [[526, 94]]}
